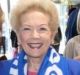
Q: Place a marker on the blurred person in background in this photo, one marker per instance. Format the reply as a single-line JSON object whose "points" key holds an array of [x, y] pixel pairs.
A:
{"points": [[2, 38], [57, 39], [72, 49], [71, 29], [14, 42]]}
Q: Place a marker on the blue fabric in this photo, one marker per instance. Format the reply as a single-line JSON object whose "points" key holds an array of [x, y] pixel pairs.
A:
{"points": [[71, 30], [52, 64]]}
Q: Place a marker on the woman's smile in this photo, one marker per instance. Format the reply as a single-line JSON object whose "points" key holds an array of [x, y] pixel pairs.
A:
{"points": [[35, 45]]}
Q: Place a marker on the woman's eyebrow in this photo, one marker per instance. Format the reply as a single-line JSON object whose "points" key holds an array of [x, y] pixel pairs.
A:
{"points": [[43, 24], [27, 25]]}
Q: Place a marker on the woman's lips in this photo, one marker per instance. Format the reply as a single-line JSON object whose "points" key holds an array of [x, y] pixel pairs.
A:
{"points": [[35, 45]]}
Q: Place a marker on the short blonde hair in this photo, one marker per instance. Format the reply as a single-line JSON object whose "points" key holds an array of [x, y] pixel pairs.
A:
{"points": [[78, 22], [26, 5]]}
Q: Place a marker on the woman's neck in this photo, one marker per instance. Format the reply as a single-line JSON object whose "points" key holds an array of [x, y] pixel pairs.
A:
{"points": [[34, 64]]}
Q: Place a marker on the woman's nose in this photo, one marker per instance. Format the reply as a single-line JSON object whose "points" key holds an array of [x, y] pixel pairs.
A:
{"points": [[35, 34]]}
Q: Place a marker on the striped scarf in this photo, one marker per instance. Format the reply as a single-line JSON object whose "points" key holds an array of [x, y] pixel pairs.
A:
{"points": [[51, 64]]}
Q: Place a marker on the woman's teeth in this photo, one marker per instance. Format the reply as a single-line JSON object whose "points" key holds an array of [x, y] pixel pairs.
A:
{"points": [[34, 45]]}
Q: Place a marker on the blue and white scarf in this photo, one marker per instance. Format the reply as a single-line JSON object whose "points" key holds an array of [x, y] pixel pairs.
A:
{"points": [[52, 64]]}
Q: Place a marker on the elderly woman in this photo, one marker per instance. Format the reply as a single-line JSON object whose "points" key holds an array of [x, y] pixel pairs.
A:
{"points": [[35, 23]]}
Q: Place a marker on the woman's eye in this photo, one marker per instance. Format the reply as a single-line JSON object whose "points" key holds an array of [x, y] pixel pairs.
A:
{"points": [[43, 29], [27, 29]]}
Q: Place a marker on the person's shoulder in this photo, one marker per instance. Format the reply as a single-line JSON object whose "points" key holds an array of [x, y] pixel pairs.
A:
{"points": [[74, 66], [74, 40], [5, 63], [5, 66]]}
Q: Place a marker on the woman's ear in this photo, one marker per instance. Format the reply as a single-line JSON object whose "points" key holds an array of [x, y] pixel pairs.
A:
{"points": [[54, 34], [53, 37]]}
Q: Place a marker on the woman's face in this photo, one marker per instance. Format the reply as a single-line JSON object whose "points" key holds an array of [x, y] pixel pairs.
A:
{"points": [[34, 34]]}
